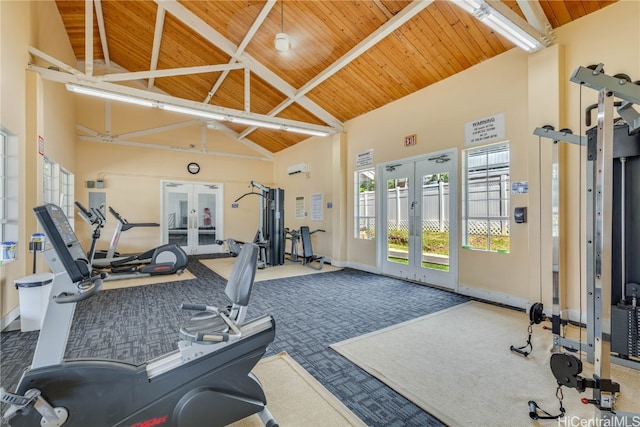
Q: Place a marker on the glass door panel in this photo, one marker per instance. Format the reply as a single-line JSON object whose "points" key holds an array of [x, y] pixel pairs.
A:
{"points": [[435, 222], [194, 216], [419, 241]]}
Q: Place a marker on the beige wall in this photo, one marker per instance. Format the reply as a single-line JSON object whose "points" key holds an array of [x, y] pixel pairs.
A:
{"points": [[132, 185], [31, 107], [324, 158], [532, 90]]}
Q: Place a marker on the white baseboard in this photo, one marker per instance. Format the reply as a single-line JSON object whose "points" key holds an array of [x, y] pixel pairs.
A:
{"points": [[9, 318], [497, 297], [364, 267]]}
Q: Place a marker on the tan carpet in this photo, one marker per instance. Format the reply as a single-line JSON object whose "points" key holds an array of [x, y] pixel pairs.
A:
{"points": [[148, 280], [223, 266], [456, 365], [295, 398]]}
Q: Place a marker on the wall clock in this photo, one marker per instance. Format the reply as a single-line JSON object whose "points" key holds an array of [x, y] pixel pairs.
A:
{"points": [[193, 168]]}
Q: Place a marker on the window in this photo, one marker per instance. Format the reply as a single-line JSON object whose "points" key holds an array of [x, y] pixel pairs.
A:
{"points": [[486, 198], [59, 187], [365, 204], [8, 186], [3, 183]]}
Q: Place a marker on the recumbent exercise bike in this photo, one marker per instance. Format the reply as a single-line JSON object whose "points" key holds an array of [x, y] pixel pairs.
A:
{"points": [[207, 381]]}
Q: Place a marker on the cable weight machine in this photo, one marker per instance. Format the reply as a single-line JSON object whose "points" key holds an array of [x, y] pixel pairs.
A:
{"points": [[612, 290], [270, 236]]}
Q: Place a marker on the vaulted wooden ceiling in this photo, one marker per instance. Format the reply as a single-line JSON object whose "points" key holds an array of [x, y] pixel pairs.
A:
{"points": [[346, 58]]}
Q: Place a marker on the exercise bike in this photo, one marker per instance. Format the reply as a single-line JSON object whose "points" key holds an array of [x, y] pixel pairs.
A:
{"points": [[165, 259], [207, 381]]}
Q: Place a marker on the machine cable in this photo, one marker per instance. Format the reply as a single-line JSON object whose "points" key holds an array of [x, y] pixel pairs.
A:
{"points": [[536, 311], [536, 316]]}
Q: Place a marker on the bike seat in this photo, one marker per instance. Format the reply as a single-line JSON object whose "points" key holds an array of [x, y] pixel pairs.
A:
{"points": [[202, 324]]}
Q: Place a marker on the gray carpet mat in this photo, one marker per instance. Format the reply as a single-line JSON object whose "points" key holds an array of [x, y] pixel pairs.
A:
{"points": [[311, 312]]}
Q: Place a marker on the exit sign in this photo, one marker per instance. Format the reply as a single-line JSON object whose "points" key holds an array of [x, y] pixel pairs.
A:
{"points": [[410, 140]]}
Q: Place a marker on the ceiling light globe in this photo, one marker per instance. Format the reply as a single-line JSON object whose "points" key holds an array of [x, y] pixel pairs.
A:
{"points": [[282, 42]]}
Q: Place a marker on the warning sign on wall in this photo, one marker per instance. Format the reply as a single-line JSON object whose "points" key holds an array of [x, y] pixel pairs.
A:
{"points": [[487, 129]]}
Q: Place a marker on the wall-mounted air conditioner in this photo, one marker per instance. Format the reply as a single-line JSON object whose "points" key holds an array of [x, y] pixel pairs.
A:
{"points": [[299, 168]]}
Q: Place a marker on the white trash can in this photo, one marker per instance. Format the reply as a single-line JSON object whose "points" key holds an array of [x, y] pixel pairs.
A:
{"points": [[34, 292]]}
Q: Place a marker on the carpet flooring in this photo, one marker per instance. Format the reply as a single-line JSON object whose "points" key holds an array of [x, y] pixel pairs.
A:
{"points": [[311, 312]]}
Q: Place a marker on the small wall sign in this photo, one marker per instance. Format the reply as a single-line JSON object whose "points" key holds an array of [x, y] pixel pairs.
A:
{"points": [[410, 140]]}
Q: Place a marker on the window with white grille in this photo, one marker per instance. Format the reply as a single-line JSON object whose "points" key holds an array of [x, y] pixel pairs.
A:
{"points": [[486, 198], [8, 185], [58, 187], [365, 204]]}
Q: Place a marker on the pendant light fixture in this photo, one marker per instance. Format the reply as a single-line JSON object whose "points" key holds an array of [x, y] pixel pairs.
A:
{"points": [[282, 39]]}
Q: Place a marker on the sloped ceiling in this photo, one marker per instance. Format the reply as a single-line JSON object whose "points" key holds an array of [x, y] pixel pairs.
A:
{"points": [[346, 57]]}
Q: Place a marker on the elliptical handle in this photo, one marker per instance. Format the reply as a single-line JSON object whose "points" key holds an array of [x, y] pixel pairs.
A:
{"points": [[94, 287]]}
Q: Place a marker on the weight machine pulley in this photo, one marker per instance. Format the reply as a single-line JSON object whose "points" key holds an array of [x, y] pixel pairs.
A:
{"points": [[566, 367]]}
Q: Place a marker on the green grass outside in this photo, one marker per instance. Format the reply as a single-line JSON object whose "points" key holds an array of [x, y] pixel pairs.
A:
{"points": [[435, 242]]}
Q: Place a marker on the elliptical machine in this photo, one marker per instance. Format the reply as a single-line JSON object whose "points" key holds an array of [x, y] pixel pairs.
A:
{"points": [[206, 382], [165, 259]]}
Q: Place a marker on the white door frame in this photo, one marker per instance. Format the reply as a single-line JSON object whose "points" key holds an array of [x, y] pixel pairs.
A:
{"points": [[447, 279], [193, 234]]}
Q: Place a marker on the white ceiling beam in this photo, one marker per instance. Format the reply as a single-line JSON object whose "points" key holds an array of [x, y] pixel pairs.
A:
{"points": [[247, 90], [117, 141], [264, 12], [371, 40], [161, 98], [88, 37], [151, 131], [517, 20], [102, 31], [208, 33], [75, 76], [168, 73], [53, 61], [157, 40], [535, 15]]}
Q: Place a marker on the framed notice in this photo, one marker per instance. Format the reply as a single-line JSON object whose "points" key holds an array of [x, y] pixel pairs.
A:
{"points": [[364, 160], [484, 130], [299, 207], [316, 207]]}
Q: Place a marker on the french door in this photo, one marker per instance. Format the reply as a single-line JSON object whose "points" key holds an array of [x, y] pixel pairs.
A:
{"points": [[193, 216], [418, 231]]}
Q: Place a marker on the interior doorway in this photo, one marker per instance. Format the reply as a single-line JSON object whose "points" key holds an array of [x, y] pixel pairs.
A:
{"points": [[418, 231], [193, 216]]}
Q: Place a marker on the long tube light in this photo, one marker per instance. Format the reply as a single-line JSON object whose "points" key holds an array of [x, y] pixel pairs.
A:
{"points": [[500, 24], [191, 111], [109, 95], [105, 94]]}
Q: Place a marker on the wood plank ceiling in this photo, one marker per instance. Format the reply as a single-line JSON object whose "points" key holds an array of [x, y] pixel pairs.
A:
{"points": [[308, 83]]}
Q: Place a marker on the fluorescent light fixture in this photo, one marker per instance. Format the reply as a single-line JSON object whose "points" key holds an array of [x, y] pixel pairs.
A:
{"points": [[304, 131], [251, 122], [192, 112], [501, 24], [511, 31], [109, 95]]}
